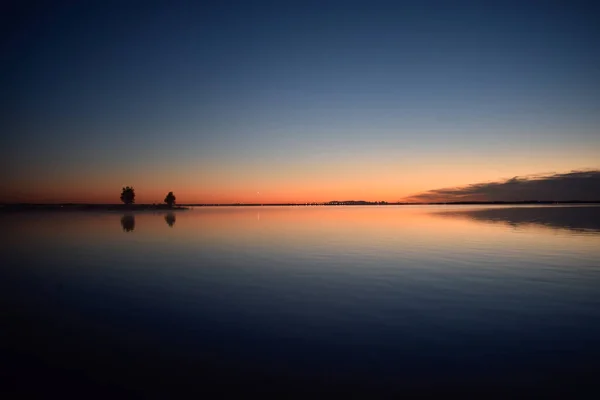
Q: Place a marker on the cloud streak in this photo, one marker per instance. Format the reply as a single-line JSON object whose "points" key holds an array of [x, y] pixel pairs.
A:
{"points": [[574, 185]]}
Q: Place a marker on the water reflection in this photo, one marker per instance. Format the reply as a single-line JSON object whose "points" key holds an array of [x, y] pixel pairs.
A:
{"points": [[370, 293], [170, 219], [128, 222], [583, 219]]}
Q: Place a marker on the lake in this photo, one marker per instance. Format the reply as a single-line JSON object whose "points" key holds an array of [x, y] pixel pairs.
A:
{"points": [[300, 300]]}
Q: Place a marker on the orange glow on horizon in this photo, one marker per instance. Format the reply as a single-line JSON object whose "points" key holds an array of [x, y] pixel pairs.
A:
{"points": [[256, 186]]}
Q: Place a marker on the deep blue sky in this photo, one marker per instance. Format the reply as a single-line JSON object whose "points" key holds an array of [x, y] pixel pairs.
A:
{"points": [[295, 99]]}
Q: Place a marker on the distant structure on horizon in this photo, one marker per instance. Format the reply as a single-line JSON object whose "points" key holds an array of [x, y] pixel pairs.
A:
{"points": [[355, 203]]}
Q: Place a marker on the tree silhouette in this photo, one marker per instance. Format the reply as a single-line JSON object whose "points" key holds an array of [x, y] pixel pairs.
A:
{"points": [[128, 195], [170, 199]]}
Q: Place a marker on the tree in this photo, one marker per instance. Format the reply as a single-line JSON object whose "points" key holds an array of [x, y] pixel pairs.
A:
{"points": [[170, 199], [128, 195]]}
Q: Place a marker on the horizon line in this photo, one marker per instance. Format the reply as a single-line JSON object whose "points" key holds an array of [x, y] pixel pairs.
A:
{"points": [[330, 203]]}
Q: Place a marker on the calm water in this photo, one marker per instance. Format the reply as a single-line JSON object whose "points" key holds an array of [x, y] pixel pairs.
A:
{"points": [[379, 299]]}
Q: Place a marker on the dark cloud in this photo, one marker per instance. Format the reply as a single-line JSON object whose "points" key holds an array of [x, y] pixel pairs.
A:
{"points": [[574, 185]]}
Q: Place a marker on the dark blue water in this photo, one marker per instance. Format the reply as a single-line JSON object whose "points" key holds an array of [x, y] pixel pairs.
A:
{"points": [[298, 300]]}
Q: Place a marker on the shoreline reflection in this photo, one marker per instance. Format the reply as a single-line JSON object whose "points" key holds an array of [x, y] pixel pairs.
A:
{"points": [[577, 219]]}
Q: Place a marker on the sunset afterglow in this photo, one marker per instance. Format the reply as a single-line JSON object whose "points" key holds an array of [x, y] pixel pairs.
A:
{"points": [[300, 103]]}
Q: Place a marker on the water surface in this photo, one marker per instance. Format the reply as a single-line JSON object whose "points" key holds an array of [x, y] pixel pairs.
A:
{"points": [[380, 298]]}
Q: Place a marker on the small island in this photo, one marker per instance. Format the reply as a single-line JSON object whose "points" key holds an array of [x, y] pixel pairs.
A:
{"points": [[127, 199]]}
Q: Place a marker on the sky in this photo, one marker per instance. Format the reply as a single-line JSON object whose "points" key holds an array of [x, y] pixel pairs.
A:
{"points": [[293, 101]]}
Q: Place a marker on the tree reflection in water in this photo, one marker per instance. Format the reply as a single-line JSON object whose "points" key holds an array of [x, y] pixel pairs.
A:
{"points": [[128, 223], [170, 219]]}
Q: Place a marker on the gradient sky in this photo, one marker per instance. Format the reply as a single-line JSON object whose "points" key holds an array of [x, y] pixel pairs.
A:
{"points": [[298, 100]]}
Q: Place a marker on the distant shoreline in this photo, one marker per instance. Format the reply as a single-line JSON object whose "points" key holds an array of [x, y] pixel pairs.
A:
{"points": [[90, 207], [164, 207]]}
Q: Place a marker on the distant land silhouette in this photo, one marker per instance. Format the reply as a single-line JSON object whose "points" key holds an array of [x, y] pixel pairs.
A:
{"points": [[127, 197], [88, 207], [182, 207]]}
